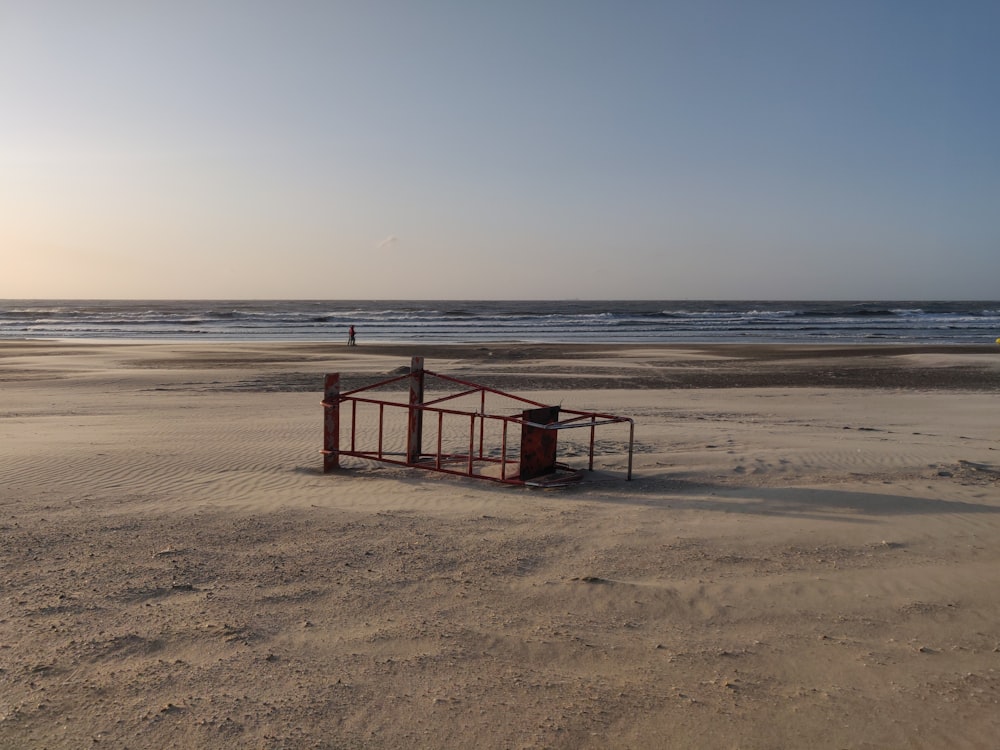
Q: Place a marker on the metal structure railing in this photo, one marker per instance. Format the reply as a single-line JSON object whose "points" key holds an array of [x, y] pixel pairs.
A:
{"points": [[467, 451]]}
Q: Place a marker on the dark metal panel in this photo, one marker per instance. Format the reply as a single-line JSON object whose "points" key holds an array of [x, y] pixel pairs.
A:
{"points": [[538, 445]]}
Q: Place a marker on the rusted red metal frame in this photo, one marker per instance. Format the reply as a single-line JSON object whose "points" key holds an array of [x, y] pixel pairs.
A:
{"points": [[332, 450]]}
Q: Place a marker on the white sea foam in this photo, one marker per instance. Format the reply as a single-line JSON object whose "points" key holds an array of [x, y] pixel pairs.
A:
{"points": [[471, 321]]}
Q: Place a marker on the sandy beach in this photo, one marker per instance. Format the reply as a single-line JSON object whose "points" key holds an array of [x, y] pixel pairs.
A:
{"points": [[808, 554]]}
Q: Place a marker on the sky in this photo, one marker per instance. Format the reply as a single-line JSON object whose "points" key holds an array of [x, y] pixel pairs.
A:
{"points": [[524, 149]]}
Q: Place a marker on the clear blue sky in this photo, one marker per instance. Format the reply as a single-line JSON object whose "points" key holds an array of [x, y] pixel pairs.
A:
{"points": [[516, 149]]}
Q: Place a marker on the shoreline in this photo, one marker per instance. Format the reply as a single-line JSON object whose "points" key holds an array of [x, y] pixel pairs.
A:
{"points": [[381, 347], [511, 366], [634, 322]]}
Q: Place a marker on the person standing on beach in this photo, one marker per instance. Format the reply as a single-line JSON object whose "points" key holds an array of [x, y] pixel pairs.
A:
{"points": [[350, 337]]}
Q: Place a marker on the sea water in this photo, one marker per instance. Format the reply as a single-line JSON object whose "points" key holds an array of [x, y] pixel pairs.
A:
{"points": [[561, 321]]}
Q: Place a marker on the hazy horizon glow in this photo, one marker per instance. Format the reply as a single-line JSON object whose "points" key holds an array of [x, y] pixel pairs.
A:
{"points": [[443, 150]]}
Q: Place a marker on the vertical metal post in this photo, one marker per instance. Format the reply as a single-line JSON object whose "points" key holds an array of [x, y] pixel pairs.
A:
{"points": [[440, 431], [482, 420], [354, 424], [414, 433], [593, 423], [381, 419], [631, 442], [503, 451], [331, 422], [472, 439]]}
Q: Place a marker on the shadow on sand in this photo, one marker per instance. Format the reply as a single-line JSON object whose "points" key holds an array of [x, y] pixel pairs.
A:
{"points": [[801, 502], [672, 493]]}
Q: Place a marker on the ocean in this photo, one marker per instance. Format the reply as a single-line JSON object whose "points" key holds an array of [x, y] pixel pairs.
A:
{"points": [[563, 321]]}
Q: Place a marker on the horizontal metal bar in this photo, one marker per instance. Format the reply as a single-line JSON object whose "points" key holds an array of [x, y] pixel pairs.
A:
{"points": [[565, 425], [373, 386], [451, 396], [424, 407], [485, 388]]}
